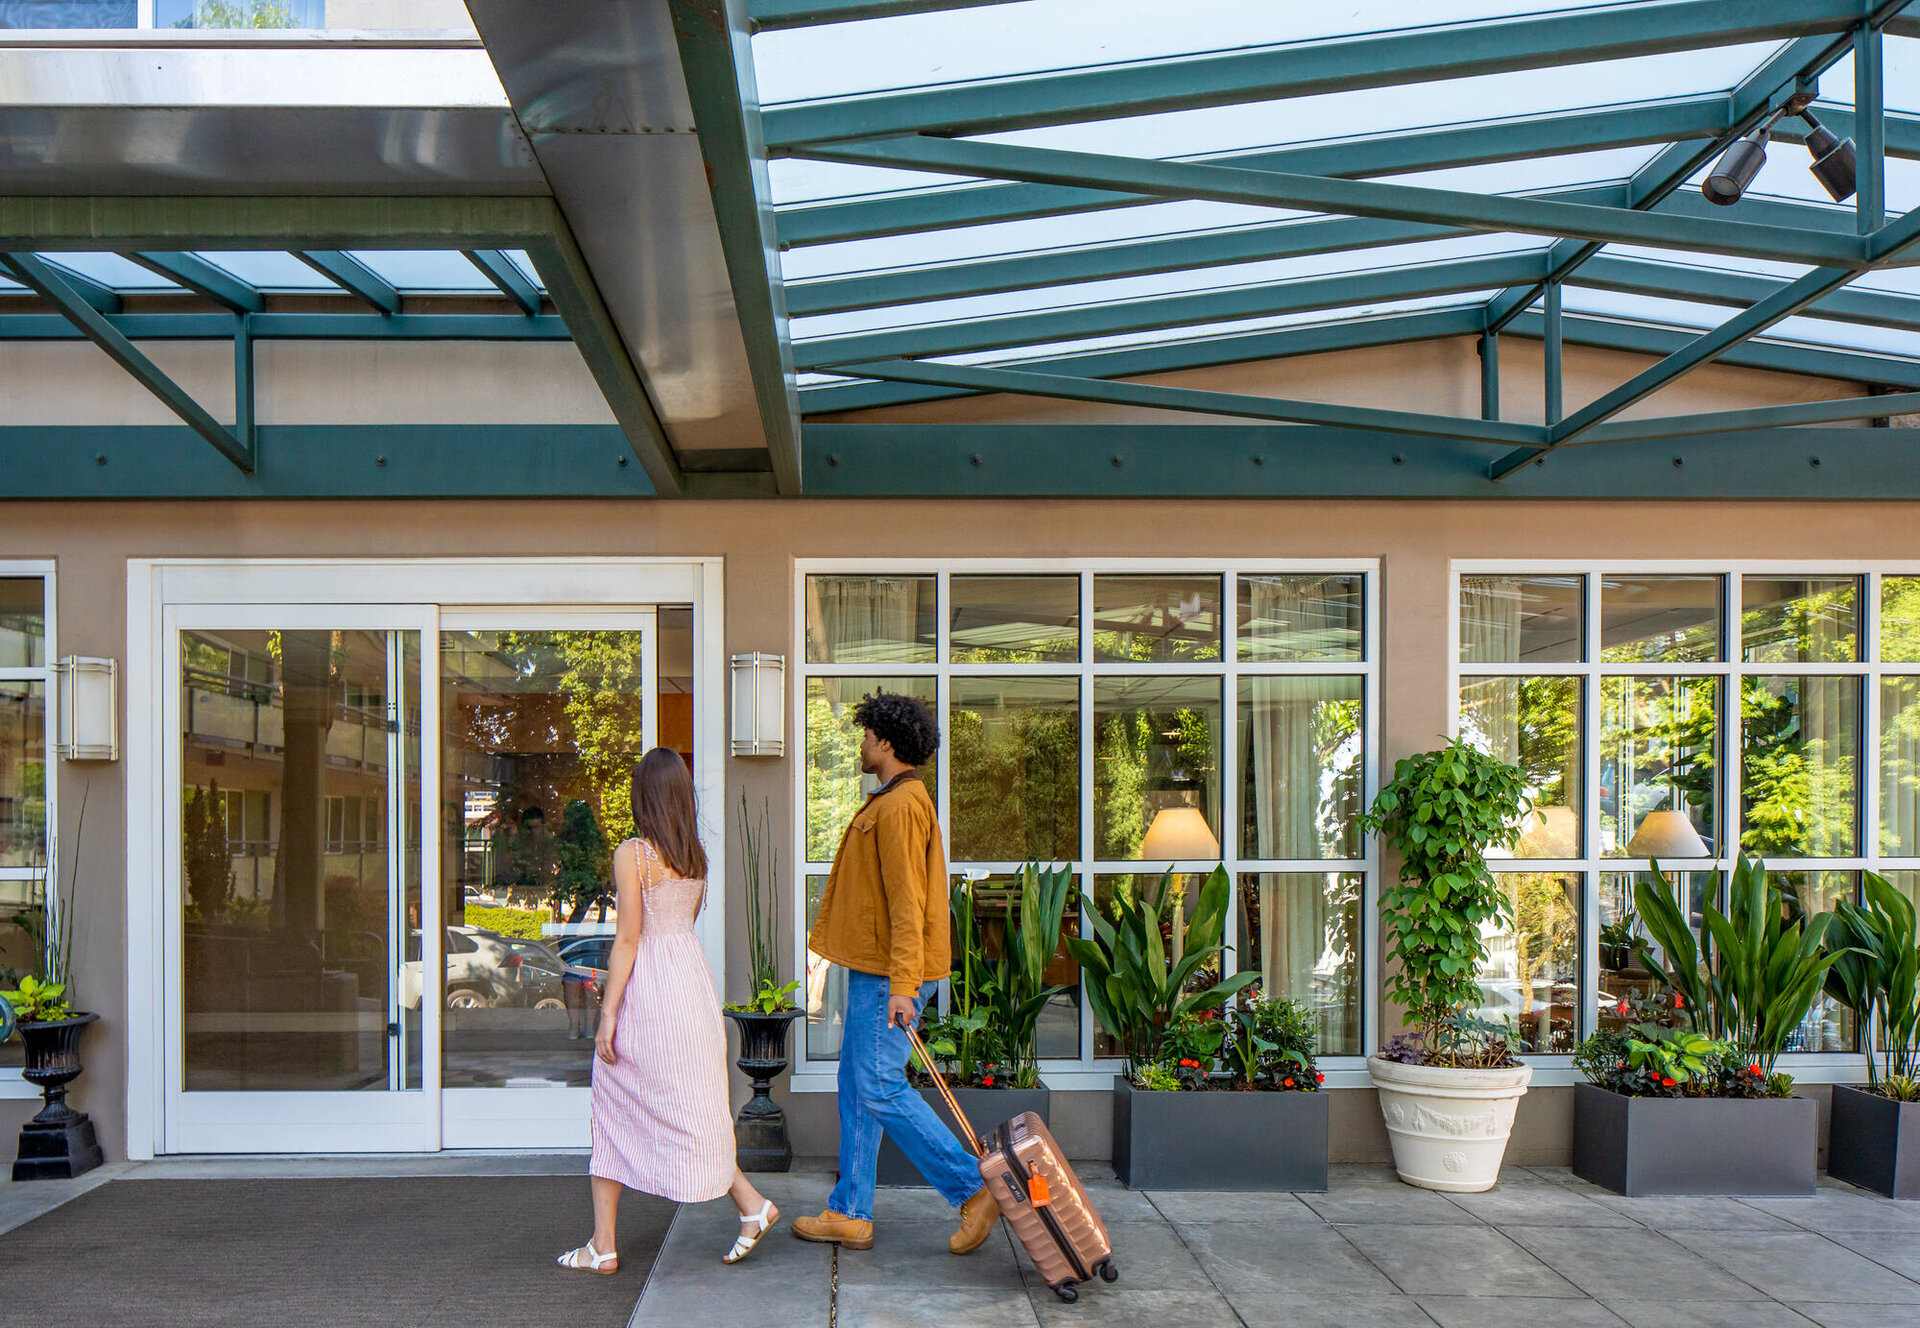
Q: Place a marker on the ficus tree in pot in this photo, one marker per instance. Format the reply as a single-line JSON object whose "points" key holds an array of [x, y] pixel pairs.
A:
{"points": [[1448, 1091]]}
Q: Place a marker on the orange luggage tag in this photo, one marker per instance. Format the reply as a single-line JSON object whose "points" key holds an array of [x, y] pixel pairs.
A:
{"points": [[1037, 1187]]}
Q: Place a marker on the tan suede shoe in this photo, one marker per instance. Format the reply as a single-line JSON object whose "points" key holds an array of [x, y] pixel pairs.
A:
{"points": [[831, 1228], [977, 1218]]}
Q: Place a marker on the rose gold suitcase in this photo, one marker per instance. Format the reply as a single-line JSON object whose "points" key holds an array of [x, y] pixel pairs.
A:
{"points": [[1041, 1198]]}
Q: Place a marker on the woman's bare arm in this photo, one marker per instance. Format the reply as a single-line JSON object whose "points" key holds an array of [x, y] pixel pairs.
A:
{"points": [[627, 886]]}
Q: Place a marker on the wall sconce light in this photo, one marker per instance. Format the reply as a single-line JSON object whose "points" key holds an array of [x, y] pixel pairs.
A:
{"points": [[89, 715], [759, 705]]}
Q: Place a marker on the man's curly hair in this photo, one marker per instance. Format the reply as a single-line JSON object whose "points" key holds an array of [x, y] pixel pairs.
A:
{"points": [[903, 721]]}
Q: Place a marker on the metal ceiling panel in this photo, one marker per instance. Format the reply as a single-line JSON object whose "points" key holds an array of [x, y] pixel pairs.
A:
{"points": [[598, 88]]}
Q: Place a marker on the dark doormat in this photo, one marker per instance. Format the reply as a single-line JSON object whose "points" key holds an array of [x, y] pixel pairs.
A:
{"points": [[437, 1252]]}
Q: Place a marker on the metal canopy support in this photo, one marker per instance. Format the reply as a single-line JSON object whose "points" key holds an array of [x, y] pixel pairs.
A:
{"points": [[811, 13], [716, 57], [1553, 376], [1489, 376], [504, 273], [353, 276], [53, 288], [1759, 417], [1869, 101], [1354, 198], [1303, 69], [1200, 402], [204, 279], [299, 327], [99, 298]]}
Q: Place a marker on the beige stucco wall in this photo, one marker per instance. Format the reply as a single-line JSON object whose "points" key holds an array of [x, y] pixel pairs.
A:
{"points": [[759, 541]]}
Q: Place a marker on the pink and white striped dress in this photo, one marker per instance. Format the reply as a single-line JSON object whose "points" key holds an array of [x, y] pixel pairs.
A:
{"points": [[660, 1117]]}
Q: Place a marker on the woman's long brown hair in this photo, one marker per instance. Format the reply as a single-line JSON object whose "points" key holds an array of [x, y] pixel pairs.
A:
{"points": [[663, 812]]}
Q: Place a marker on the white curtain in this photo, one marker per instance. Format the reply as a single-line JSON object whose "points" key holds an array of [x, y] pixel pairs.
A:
{"points": [[1490, 634], [864, 618], [1900, 765]]}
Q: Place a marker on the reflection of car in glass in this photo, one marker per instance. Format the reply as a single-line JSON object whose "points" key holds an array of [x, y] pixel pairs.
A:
{"points": [[485, 969], [588, 953]]}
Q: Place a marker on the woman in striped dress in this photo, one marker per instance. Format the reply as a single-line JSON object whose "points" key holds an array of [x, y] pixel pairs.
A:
{"points": [[660, 1118]]}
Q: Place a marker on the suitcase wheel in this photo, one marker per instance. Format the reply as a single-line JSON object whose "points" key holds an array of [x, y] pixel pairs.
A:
{"points": [[1068, 1292], [1108, 1273]]}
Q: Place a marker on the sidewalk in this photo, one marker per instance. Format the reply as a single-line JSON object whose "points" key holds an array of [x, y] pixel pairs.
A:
{"points": [[1543, 1248]]}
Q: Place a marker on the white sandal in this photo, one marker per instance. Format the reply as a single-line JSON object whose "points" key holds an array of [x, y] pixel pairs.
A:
{"points": [[594, 1261], [742, 1247]]}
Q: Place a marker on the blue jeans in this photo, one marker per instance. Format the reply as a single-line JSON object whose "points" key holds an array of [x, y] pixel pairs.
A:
{"points": [[875, 1097]]}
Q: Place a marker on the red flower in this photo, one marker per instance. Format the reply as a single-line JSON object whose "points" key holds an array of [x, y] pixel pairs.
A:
{"points": [[1753, 1069], [987, 1082], [1289, 1082], [1668, 1082], [1620, 1008], [1319, 1078], [1679, 1001]]}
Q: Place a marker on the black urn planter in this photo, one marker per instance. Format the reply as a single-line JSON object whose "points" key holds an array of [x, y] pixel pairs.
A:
{"points": [[760, 1131], [1226, 1140], [59, 1143], [987, 1109], [1695, 1145], [1874, 1142]]}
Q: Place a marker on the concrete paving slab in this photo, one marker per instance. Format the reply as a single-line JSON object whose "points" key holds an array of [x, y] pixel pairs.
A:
{"points": [[1189, 1206], [1398, 1204], [1600, 1261], [1113, 1307], [1834, 1209], [1892, 1250], [1428, 1260], [1517, 1312], [1535, 1202], [1643, 1312], [916, 1254], [1695, 1214], [902, 1306], [1148, 1257], [1793, 1266], [21, 1202], [1369, 1311], [1249, 1261], [1855, 1316]]}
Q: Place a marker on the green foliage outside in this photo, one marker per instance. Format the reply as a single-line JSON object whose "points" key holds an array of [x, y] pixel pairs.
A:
{"points": [[1441, 811], [34, 1000], [760, 865], [1876, 974], [523, 923], [238, 14], [583, 860], [208, 859]]}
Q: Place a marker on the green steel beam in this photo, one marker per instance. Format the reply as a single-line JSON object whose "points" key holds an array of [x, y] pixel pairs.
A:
{"points": [[1774, 356], [1489, 348], [1354, 198], [298, 327], [1310, 68], [1633, 276], [563, 271], [170, 462], [100, 298], [1759, 417], [246, 422], [52, 287], [354, 277], [504, 273], [1516, 139], [716, 55], [1902, 132], [1279, 460], [1553, 378], [172, 224], [1028, 383], [204, 279], [1870, 130], [771, 14], [1169, 357], [1225, 305]]}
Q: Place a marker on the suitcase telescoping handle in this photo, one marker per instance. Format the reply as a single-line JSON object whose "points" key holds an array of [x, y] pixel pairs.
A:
{"points": [[940, 1082]]}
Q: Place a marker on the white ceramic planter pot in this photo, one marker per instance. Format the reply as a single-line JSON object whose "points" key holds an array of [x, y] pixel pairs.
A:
{"points": [[1449, 1127]]}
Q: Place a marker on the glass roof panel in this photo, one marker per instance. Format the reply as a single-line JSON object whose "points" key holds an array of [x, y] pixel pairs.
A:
{"points": [[524, 261], [112, 271], [995, 41], [425, 269], [269, 270], [1900, 74]]}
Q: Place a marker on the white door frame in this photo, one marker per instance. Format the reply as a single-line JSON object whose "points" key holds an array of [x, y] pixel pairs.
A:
{"points": [[153, 584]]}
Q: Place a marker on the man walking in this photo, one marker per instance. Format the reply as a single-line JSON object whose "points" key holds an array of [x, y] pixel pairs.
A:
{"points": [[883, 917]]}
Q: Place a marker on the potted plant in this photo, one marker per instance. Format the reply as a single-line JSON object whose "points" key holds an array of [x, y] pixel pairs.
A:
{"points": [[1685, 1098], [1449, 1090], [1873, 1138], [1176, 1122], [986, 1046], [760, 1131]]}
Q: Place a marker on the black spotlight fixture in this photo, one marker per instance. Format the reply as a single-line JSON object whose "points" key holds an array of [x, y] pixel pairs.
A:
{"points": [[1833, 163]]}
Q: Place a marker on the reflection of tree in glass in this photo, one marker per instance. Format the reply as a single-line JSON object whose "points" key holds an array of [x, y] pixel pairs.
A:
{"points": [[1139, 751], [599, 678], [1812, 626], [1546, 944], [209, 864], [1016, 784], [833, 776], [1796, 789], [1661, 733]]}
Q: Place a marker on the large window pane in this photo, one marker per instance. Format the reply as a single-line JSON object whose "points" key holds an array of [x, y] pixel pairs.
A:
{"points": [[1521, 620], [1900, 766], [1829, 1025], [1799, 621], [1623, 977], [240, 14], [1799, 743], [826, 989], [1533, 723], [1658, 744], [1300, 767], [1301, 932], [1014, 619], [22, 929], [1156, 748], [1156, 619], [1900, 619], [1301, 618], [68, 14], [996, 910], [1660, 619], [1173, 893], [1531, 979], [1014, 759], [23, 774], [835, 785], [23, 622], [870, 620]]}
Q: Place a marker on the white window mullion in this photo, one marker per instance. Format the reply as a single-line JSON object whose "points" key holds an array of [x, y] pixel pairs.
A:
{"points": [[1089, 886]]}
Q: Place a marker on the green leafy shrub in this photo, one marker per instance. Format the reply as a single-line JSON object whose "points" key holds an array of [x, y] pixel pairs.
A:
{"points": [[1156, 1079], [1876, 974], [36, 1001], [1441, 811], [1654, 1060], [522, 923]]}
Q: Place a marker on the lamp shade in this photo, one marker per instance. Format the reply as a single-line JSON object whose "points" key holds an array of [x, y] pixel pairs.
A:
{"points": [[1738, 165], [1667, 834], [1551, 832], [1180, 833], [88, 726]]}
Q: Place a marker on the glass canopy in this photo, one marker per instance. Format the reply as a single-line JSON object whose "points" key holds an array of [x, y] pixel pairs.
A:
{"points": [[969, 184]]}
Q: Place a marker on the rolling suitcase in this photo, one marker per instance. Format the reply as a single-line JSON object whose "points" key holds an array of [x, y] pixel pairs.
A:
{"points": [[1041, 1198]]}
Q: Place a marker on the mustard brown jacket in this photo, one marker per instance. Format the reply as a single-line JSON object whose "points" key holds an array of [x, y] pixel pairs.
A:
{"points": [[884, 910]]}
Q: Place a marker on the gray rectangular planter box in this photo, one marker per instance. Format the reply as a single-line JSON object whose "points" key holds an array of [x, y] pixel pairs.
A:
{"points": [[987, 1109], [1219, 1140], [1874, 1142], [1665, 1145]]}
